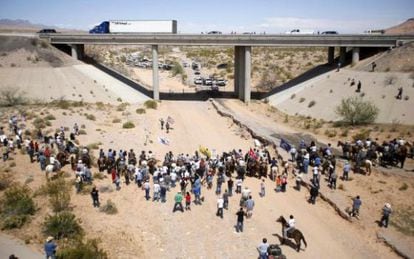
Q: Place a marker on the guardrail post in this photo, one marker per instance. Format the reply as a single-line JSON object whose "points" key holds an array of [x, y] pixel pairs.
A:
{"points": [[155, 81]]}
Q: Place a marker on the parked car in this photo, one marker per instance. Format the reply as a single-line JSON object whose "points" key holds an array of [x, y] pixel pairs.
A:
{"points": [[47, 31], [329, 32], [198, 81], [207, 81], [197, 73], [214, 32], [221, 82]]}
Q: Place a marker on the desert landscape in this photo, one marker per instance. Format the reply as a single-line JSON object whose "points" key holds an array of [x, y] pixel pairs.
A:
{"points": [[48, 90]]}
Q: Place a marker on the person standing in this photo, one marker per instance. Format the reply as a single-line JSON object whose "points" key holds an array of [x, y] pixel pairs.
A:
{"points": [[400, 92], [187, 201], [178, 202], [249, 207], [332, 180], [386, 212], [262, 248], [356, 204], [226, 199], [239, 183], [50, 248], [373, 66], [220, 206], [230, 184], [313, 194], [167, 126], [347, 169], [157, 189], [359, 85], [240, 219], [95, 197], [338, 67], [162, 123], [147, 188]]}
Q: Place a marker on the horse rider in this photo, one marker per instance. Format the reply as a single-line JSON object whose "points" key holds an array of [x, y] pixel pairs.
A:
{"points": [[290, 226]]}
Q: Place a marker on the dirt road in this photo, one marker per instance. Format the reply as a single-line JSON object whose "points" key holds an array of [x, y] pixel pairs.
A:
{"points": [[10, 245], [143, 229]]}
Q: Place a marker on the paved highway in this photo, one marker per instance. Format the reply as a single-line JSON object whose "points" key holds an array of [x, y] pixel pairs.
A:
{"points": [[357, 40]]}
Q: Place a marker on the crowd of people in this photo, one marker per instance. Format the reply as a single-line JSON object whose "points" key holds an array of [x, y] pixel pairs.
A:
{"points": [[193, 174]]}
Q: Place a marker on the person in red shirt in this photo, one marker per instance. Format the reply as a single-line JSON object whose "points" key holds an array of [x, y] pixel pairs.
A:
{"points": [[187, 201]]}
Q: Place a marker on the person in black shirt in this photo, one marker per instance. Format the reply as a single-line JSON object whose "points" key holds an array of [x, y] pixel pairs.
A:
{"points": [[240, 218]]}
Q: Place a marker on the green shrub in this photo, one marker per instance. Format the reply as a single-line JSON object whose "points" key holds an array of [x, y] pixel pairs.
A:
{"points": [[356, 111], [62, 225], [82, 132], [50, 117], [403, 187], [90, 117], [128, 125], [39, 123], [94, 145], [140, 111], [293, 96], [5, 181], [302, 99], [151, 104], [59, 194], [362, 135], [109, 208], [11, 97], [82, 250], [62, 104], [330, 133], [311, 103], [122, 107], [17, 205]]}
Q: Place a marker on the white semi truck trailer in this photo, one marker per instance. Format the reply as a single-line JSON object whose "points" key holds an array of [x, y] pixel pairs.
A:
{"points": [[136, 26]]}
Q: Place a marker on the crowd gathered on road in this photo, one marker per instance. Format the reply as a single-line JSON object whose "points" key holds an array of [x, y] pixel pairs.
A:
{"points": [[188, 176]]}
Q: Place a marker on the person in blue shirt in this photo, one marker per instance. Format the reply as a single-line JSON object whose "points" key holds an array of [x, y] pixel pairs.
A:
{"points": [[50, 248]]}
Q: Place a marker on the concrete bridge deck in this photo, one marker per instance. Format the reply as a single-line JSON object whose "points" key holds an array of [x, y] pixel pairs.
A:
{"points": [[340, 40]]}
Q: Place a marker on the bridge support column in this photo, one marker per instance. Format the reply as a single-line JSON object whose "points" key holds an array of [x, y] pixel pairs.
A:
{"points": [[77, 51], [331, 55], [155, 80], [342, 55], [242, 72], [355, 55]]}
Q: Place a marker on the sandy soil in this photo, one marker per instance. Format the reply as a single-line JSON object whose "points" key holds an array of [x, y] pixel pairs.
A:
{"points": [[143, 229], [329, 89]]}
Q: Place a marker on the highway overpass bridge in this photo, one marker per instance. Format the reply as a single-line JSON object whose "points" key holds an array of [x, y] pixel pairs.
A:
{"points": [[242, 45]]}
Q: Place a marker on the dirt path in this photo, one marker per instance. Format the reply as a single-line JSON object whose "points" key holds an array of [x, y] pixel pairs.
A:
{"points": [[144, 228], [10, 245]]}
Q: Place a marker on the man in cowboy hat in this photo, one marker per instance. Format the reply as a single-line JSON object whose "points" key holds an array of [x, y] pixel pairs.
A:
{"points": [[50, 248], [386, 212]]}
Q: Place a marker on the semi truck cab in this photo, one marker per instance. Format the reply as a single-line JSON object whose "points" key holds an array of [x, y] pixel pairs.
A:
{"points": [[101, 28]]}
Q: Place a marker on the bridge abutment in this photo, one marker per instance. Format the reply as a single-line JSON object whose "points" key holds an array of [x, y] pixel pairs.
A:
{"points": [[331, 55], [77, 51], [155, 79], [355, 55], [242, 72], [342, 55]]}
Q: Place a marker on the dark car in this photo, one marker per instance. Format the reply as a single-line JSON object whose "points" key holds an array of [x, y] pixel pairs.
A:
{"points": [[47, 31], [214, 32], [329, 32]]}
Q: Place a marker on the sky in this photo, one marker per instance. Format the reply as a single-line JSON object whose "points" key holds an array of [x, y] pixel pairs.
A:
{"points": [[195, 16]]}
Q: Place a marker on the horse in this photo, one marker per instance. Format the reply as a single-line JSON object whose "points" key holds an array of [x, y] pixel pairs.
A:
{"points": [[52, 168], [296, 234]]}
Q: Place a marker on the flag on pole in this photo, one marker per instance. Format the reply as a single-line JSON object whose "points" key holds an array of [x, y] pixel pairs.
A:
{"points": [[163, 140]]}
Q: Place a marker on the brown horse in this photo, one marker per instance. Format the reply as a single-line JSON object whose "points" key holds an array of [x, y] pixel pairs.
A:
{"points": [[295, 234]]}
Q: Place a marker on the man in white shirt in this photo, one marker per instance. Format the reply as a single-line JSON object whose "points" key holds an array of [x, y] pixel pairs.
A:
{"points": [[220, 206], [157, 189], [290, 226]]}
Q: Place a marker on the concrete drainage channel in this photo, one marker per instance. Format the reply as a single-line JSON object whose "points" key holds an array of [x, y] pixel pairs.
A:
{"points": [[306, 182]]}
